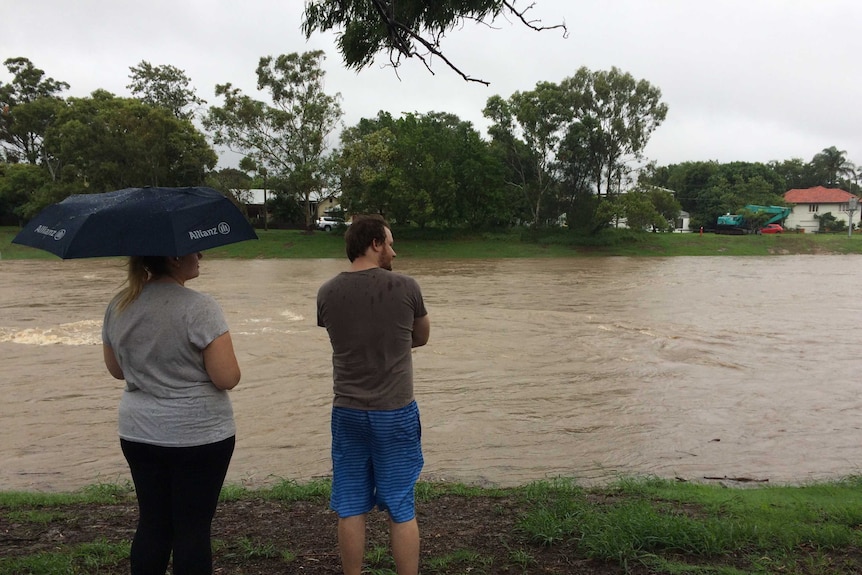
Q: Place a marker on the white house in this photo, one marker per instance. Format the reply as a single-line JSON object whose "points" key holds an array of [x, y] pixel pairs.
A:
{"points": [[810, 202], [328, 204], [680, 225], [253, 198]]}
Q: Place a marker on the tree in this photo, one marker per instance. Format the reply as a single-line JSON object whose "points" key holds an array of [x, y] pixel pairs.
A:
{"points": [[619, 114], [831, 164], [529, 126], [576, 198], [247, 164], [103, 143], [164, 86], [754, 220], [829, 223], [406, 28], [289, 137], [639, 212], [431, 169], [666, 205], [19, 185], [28, 106], [481, 197], [797, 173], [367, 171], [231, 182], [561, 138], [708, 189]]}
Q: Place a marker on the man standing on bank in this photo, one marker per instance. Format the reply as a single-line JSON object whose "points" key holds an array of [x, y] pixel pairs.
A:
{"points": [[374, 318]]}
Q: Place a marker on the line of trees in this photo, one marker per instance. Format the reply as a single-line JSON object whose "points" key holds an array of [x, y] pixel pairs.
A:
{"points": [[709, 189], [570, 151]]}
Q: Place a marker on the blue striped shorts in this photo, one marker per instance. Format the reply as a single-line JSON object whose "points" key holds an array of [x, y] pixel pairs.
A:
{"points": [[376, 460]]}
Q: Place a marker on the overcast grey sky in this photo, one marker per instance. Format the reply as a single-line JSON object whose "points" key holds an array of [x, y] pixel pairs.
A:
{"points": [[744, 80]]}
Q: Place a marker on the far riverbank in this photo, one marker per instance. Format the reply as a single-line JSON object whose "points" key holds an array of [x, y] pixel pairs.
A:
{"points": [[515, 243]]}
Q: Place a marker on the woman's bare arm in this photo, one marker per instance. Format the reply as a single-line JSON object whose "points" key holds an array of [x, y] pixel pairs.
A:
{"points": [[111, 362], [220, 362]]}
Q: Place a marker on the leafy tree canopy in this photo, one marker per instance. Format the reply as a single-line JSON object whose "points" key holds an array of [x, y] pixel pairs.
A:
{"points": [[565, 141], [709, 189], [104, 143], [831, 166], [404, 28], [19, 185], [431, 169], [29, 83], [28, 105], [165, 86], [287, 138]]}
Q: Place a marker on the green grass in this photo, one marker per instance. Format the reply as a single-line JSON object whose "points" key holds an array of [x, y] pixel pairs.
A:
{"points": [[515, 243], [665, 526], [469, 561], [81, 559], [99, 493], [652, 520], [288, 491]]}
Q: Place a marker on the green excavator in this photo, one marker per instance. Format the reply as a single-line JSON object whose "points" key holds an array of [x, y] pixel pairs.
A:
{"points": [[736, 224]]}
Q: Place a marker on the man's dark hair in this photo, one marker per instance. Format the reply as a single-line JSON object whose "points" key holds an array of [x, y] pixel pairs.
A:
{"points": [[362, 232]]}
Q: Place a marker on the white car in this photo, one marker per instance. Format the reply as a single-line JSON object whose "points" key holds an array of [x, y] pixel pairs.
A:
{"points": [[328, 223]]}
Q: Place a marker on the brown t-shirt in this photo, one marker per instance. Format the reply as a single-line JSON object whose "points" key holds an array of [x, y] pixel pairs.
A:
{"points": [[369, 316]]}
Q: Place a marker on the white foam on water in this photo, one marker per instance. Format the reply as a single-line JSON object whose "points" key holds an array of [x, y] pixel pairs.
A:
{"points": [[265, 331], [86, 332], [291, 316]]}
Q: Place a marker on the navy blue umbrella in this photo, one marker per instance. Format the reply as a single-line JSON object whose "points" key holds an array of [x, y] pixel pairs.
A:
{"points": [[137, 222]]}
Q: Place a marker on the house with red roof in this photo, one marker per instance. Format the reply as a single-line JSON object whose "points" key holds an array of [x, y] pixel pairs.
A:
{"points": [[811, 202]]}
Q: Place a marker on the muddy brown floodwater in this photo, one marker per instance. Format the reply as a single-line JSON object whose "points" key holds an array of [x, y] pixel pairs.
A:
{"points": [[589, 368]]}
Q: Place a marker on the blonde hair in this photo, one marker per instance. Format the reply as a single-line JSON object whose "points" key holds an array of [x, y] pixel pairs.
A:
{"points": [[140, 270]]}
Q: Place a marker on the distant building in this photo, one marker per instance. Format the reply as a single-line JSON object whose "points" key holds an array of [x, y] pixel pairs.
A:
{"points": [[809, 203], [682, 222], [330, 204], [253, 199], [254, 196]]}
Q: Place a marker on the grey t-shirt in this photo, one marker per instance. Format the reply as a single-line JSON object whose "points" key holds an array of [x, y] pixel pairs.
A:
{"points": [[158, 339], [369, 316]]}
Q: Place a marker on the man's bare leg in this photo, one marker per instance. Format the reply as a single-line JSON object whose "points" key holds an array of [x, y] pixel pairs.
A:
{"points": [[404, 538], [351, 543]]}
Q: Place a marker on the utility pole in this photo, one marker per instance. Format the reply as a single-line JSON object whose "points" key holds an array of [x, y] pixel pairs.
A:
{"points": [[265, 214], [853, 205]]}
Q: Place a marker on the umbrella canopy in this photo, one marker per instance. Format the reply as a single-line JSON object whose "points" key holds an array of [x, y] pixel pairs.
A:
{"points": [[137, 222]]}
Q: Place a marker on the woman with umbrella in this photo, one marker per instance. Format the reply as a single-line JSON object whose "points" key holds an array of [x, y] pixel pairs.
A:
{"points": [[173, 348]]}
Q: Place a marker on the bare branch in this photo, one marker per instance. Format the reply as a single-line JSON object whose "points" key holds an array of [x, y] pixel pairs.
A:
{"points": [[399, 33], [432, 48], [532, 24]]}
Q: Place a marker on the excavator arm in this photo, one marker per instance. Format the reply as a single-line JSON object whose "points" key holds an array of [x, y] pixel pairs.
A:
{"points": [[779, 213], [736, 224]]}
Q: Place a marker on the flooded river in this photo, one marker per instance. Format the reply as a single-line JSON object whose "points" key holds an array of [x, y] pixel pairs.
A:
{"points": [[588, 368]]}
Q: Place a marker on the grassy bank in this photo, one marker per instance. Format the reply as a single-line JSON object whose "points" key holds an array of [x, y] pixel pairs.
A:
{"points": [[512, 244], [637, 526]]}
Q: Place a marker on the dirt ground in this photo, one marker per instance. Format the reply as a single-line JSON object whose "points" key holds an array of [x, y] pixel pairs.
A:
{"points": [[251, 536]]}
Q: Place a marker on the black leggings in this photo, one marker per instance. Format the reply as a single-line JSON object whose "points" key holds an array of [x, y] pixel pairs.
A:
{"points": [[177, 490]]}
